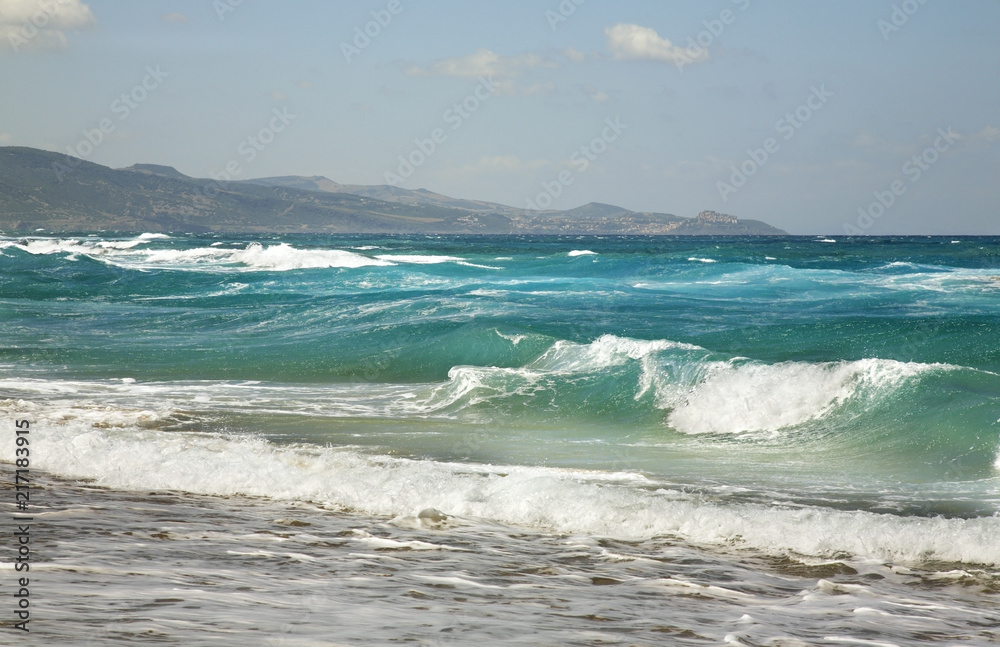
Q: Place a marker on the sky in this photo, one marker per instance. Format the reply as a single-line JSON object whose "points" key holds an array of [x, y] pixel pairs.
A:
{"points": [[864, 117]]}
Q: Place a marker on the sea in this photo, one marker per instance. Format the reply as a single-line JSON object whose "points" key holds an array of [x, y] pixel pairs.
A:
{"points": [[499, 440]]}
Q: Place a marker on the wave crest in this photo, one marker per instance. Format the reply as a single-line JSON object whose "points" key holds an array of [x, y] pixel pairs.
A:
{"points": [[117, 449], [751, 397]]}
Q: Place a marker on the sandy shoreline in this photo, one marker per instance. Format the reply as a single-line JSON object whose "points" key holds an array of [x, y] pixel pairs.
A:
{"points": [[177, 569]]}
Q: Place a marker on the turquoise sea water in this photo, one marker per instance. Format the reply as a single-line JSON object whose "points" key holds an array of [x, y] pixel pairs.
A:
{"points": [[805, 400]]}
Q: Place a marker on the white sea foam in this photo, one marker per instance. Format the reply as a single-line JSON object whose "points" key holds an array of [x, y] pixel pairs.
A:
{"points": [[419, 259], [283, 257], [737, 397], [96, 247], [705, 395], [514, 339], [934, 278], [121, 448], [430, 259], [41, 246], [582, 252], [604, 352], [695, 259], [255, 256], [904, 265], [482, 267]]}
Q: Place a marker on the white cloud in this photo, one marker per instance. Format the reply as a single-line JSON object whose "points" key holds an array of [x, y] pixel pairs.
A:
{"points": [[482, 62], [866, 140], [633, 42], [502, 69], [5, 138], [540, 87], [989, 135], [574, 56], [173, 17], [594, 93], [41, 24], [500, 162]]}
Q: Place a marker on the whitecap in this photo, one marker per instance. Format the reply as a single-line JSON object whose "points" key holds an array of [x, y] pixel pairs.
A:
{"points": [[121, 448], [736, 397], [283, 257], [419, 259]]}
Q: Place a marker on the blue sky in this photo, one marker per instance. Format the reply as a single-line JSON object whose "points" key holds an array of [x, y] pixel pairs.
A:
{"points": [[880, 115]]}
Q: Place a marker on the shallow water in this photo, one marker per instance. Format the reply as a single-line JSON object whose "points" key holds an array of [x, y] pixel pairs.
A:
{"points": [[126, 567]]}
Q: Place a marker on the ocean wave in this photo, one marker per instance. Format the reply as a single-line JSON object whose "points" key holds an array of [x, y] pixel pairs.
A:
{"points": [[605, 351], [121, 448], [701, 393], [44, 246], [736, 397], [918, 278], [786, 283], [673, 385], [255, 256], [281, 257], [284, 257], [419, 259], [430, 259]]}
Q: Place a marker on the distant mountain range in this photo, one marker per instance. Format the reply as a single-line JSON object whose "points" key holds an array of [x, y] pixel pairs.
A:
{"points": [[50, 191]]}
